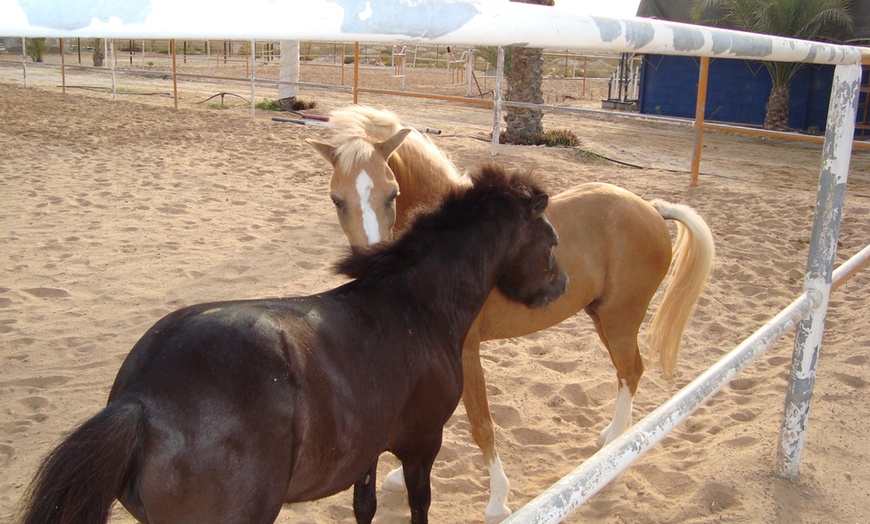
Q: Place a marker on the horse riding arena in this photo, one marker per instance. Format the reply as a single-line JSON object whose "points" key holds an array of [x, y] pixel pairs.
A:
{"points": [[118, 211]]}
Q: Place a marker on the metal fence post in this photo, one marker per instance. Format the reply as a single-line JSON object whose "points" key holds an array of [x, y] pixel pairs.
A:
{"points": [[496, 106], [820, 263]]}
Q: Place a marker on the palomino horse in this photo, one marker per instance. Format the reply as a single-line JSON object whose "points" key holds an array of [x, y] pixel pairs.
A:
{"points": [[222, 412], [615, 247]]}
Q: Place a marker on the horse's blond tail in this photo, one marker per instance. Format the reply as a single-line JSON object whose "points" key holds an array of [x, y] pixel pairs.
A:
{"points": [[692, 264]]}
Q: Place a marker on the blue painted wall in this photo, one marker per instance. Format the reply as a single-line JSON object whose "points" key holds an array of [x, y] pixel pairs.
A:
{"points": [[737, 91]]}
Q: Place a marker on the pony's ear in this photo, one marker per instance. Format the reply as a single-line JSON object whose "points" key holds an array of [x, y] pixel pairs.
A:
{"points": [[326, 151], [537, 205], [389, 145]]}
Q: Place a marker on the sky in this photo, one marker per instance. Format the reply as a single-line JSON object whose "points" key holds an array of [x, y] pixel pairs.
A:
{"points": [[615, 8]]}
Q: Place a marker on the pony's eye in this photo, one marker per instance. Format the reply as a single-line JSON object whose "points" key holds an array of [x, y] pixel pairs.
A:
{"points": [[339, 203]]}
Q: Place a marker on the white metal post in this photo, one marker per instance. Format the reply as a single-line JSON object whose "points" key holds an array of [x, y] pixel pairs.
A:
{"points": [[253, 78], [24, 61], [469, 72], [820, 263], [496, 107], [289, 70]]}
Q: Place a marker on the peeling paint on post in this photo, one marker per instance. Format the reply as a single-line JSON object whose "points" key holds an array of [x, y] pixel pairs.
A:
{"points": [[820, 264], [496, 107]]}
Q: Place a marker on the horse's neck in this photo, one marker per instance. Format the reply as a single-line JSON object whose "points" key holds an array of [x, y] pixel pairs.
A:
{"points": [[455, 284], [422, 179]]}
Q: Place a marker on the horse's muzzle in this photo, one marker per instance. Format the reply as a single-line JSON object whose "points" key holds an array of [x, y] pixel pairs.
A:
{"points": [[556, 290]]}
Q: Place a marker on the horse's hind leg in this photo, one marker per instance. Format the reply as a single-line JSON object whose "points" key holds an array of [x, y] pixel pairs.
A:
{"points": [[618, 327], [365, 500]]}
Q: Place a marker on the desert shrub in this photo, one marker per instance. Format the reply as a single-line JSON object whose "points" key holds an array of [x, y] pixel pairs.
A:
{"points": [[557, 138], [269, 105]]}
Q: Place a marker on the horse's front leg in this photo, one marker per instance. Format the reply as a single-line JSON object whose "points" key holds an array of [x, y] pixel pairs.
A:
{"points": [[482, 429], [365, 499], [417, 460]]}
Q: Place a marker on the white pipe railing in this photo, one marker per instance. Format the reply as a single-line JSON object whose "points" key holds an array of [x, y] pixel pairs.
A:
{"points": [[575, 488], [848, 268], [469, 22]]}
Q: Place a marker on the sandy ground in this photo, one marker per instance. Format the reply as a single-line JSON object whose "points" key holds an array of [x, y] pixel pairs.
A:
{"points": [[116, 212]]}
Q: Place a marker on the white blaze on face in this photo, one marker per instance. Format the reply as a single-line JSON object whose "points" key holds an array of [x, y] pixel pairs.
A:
{"points": [[364, 187]]}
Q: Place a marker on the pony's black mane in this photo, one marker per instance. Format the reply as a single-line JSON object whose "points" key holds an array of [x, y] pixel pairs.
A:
{"points": [[494, 194]]}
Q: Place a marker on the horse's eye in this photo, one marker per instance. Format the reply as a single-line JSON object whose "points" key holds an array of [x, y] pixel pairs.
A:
{"points": [[339, 203]]}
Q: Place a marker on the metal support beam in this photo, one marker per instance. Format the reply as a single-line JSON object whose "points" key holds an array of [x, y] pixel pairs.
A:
{"points": [[837, 153]]}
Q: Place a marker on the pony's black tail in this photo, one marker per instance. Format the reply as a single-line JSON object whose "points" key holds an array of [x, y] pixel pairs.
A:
{"points": [[80, 479]]}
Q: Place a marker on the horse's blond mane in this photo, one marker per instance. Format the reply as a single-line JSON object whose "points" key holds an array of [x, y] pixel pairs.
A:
{"points": [[363, 122], [352, 151], [353, 123]]}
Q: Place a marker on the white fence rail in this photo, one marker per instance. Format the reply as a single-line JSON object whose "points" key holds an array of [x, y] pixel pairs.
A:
{"points": [[578, 486]]}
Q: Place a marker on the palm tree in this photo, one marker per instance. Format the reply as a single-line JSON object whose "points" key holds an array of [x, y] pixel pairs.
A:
{"points": [[820, 20], [99, 54], [37, 48], [524, 79]]}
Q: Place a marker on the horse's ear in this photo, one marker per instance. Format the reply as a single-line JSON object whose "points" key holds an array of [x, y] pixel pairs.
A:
{"points": [[389, 145], [326, 151], [538, 205]]}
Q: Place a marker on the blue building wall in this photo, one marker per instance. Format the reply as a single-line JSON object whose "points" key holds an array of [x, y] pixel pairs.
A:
{"points": [[737, 91]]}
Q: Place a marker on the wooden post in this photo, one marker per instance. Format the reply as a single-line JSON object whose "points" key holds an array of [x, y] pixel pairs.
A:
{"points": [[355, 72], [704, 68], [62, 66], [174, 72]]}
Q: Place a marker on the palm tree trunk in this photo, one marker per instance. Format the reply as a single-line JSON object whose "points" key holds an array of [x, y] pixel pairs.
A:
{"points": [[524, 81], [524, 85], [776, 117]]}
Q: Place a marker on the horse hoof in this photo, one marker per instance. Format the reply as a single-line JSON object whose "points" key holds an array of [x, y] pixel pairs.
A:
{"points": [[395, 480], [603, 438], [496, 516]]}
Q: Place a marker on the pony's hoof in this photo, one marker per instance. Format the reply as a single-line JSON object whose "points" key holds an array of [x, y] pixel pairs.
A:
{"points": [[395, 480], [610, 434], [603, 437], [494, 516]]}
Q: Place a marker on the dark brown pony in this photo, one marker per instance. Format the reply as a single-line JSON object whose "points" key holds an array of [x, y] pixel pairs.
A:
{"points": [[223, 412]]}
